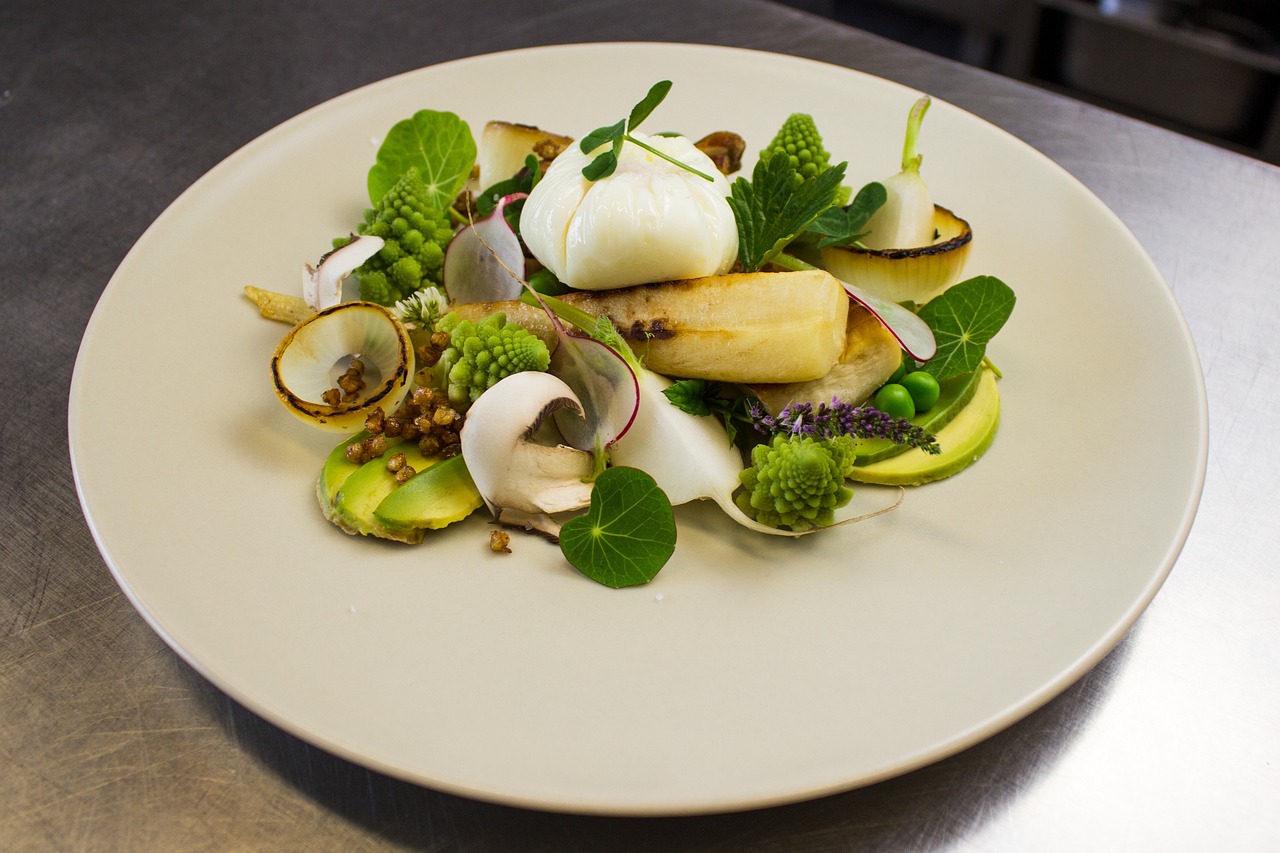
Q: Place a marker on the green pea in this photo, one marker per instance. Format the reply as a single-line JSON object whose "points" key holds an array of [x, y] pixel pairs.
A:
{"points": [[893, 399], [923, 389], [900, 372]]}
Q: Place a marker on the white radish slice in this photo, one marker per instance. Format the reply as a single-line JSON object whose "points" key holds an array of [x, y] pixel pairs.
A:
{"points": [[913, 334], [485, 261], [605, 384]]}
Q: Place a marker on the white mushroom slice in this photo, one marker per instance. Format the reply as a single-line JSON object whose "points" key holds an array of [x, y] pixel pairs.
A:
{"points": [[322, 284], [510, 468]]}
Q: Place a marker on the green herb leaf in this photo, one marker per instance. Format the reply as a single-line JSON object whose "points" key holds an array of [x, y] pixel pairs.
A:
{"points": [[439, 144], [963, 319], [522, 182], [841, 226], [648, 104], [702, 398], [690, 395], [627, 534], [601, 167], [601, 135], [771, 211]]}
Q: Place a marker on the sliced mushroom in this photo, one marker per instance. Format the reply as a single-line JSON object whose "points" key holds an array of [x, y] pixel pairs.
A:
{"points": [[322, 284], [518, 475]]}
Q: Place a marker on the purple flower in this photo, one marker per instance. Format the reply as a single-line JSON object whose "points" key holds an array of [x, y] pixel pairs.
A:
{"points": [[839, 418]]}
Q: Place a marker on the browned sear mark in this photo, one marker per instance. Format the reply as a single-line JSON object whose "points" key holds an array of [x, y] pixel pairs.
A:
{"points": [[655, 329]]}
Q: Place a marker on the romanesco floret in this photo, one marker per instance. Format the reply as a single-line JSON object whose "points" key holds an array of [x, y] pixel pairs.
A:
{"points": [[844, 450], [414, 235], [479, 354], [799, 138], [794, 482]]}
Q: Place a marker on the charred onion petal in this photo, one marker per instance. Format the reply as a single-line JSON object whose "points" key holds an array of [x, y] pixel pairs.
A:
{"points": [[484, 261], [322, 284], [510, 468], [907, 274], [315, 352]]}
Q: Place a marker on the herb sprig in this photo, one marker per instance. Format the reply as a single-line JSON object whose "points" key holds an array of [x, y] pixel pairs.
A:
{"points": [[771, 211], [615, 135], [838, 418], [842, 226]]}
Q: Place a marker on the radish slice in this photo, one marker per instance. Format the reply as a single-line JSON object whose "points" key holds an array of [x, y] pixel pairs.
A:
{"points": [[913, 334], [605, 384], [484, 261]]}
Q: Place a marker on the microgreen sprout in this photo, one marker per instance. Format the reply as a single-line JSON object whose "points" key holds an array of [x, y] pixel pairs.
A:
{"points": [[840, 418], [616, 134]]}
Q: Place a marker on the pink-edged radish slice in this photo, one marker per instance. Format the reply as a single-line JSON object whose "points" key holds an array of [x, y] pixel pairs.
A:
{"points": [[605, 384], [484, 261], [913, 334]]}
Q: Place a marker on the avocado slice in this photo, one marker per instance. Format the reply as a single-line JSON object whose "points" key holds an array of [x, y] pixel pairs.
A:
{"points": [[438, 496], [337, 468], [953, 395], [963, 441], [363, 490]]}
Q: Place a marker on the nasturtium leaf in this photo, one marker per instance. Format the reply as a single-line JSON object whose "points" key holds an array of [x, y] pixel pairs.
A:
{"points": [[648, 104], [963, 319], [439, 144], [771, 211], [627, 534]]}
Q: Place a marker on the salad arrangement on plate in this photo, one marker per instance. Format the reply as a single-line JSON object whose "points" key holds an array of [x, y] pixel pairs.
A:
{"points": [[577, 335]]}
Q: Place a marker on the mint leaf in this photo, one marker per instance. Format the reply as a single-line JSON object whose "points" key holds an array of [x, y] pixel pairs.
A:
{"points": [[438, 144], [770, 213], [841, 226], [627, 534], [963, 319]]}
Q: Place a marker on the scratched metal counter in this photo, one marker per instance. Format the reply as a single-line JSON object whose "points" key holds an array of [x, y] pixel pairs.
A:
{"points": [[108, 741]]}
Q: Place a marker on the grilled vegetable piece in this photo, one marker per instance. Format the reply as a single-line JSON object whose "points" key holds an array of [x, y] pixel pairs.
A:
{"points": [[871, 354], [740, 327]]}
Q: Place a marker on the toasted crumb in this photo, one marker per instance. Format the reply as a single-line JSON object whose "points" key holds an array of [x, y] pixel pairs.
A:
{"points": [[500, 541]]}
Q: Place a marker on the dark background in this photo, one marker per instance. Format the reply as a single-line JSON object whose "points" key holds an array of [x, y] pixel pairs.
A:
{"points": [[1206, 68]]}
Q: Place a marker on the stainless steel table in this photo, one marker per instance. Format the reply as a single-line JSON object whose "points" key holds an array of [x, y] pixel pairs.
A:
{"points": [[108, 741]]}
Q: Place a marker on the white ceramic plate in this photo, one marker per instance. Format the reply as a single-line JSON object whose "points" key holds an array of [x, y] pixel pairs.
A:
{"points": [[754, 670]]}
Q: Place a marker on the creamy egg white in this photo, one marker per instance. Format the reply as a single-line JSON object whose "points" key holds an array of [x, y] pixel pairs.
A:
{"points": [[649, 221]]}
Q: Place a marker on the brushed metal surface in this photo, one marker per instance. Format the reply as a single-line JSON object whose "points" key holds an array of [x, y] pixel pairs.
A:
{"points": [[109, 742]]}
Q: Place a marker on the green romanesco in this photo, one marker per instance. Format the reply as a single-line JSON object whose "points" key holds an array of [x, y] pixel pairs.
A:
{"points": [[844, 450], [800, 140], [414, 236], [794, 481], [481, 353]]}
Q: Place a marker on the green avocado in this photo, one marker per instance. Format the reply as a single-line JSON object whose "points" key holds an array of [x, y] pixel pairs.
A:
{"points": [[363, 490], [953, 395], [963, 441], [337, 468], [438, 496]]}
